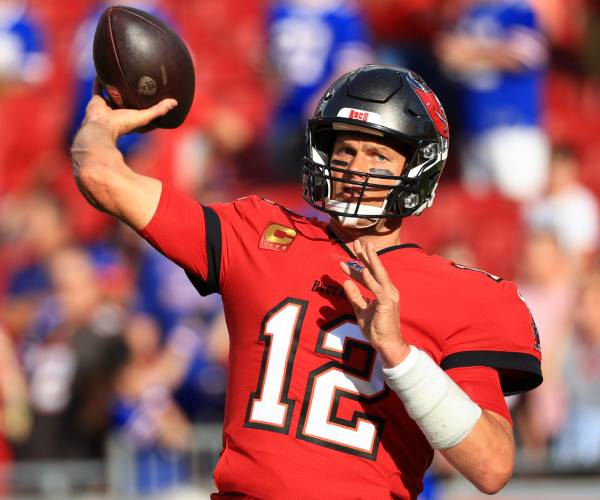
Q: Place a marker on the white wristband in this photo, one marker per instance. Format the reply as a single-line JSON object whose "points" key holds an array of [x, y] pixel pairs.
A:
{"points": [[441, 409]]}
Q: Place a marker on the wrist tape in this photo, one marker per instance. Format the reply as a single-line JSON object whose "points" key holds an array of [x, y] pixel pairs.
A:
{"points": [[441, 409]]}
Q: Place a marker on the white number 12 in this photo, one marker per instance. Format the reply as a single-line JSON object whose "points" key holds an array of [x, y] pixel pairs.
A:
{"points": [[269, 407]]}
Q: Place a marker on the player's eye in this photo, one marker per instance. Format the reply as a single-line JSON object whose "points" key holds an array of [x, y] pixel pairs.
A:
{"points": [[381, 158], [343, 156], [346, 150]]}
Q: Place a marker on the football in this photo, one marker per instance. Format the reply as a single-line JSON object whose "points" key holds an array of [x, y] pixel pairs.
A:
{"points": [[139, 61]]}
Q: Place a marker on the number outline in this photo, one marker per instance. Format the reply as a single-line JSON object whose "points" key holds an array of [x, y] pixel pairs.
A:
{"points": [[349, 346], [284, 395]]}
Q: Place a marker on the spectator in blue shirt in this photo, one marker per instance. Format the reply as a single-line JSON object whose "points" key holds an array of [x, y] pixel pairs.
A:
{"points": [[312, 42], [497, 54], [23, 57]]}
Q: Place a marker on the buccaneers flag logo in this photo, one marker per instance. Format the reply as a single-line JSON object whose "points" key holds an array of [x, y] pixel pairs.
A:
{"points": [[431, 102]]}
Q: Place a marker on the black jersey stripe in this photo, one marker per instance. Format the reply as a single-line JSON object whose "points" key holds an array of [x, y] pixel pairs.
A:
{"points": [[519, 371], [212, 225]]}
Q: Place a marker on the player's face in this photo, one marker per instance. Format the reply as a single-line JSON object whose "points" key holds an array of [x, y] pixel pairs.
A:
{"points": [[353, 156]]}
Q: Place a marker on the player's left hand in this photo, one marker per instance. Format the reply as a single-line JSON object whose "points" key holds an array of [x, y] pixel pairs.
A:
{"points": [[378, 320]]}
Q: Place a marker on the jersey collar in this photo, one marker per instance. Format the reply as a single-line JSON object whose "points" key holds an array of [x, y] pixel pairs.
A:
{"points": [[335, 238]]}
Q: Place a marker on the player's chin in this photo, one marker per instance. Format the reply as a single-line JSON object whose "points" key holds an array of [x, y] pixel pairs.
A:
{"points": [[366, 223]]}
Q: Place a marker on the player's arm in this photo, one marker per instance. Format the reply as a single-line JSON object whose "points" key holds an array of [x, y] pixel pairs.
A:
{"points": [[99, 169], [478, 443], [486, 456]]}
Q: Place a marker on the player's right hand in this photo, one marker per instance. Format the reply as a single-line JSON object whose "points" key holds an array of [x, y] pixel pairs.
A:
{"points": [[123, 121], [378, 320]]}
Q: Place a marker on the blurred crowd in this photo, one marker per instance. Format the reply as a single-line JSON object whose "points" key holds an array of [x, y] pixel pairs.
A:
{"points": [[100, 334]]}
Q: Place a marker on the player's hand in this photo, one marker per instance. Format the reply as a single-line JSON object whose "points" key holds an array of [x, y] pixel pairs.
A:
{"points": [[379, 320], [123, 121]]}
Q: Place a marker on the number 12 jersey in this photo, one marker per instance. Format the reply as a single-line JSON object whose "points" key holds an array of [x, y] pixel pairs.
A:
{"points": [[308, 414]]}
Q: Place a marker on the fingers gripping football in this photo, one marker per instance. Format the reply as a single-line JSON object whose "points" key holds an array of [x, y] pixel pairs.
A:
{"points": [[378, 320], [123, 121]]}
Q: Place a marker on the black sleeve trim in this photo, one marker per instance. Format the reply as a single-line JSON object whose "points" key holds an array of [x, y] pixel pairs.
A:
{"points": [[213, 254], [519, 372]]}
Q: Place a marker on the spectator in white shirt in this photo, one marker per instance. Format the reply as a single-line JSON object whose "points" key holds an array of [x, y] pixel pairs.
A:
{"points": [[568, 209]]}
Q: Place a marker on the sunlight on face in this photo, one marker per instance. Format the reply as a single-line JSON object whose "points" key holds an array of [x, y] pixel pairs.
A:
{"points": [[358, 155]]}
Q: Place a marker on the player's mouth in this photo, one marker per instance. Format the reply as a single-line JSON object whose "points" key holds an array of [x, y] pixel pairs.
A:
{"points": [[349, 195], [356, 193]]}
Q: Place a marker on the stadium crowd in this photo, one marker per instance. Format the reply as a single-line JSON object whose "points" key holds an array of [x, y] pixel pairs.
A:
{"points": [[100, 334]]}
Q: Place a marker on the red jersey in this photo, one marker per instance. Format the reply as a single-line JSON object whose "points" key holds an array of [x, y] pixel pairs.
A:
{"points": [[308, 414]]}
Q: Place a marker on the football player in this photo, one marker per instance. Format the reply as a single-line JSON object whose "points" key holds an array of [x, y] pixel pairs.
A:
{"points": [[353, 354]]}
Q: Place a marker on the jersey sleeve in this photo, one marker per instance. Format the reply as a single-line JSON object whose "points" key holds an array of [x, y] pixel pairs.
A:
{"points": [[188, 233], [499, 332], [208, 241], [482, 385]]}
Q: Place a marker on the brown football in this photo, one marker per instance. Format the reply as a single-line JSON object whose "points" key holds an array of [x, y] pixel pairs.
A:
{"points": [[139, 61]]}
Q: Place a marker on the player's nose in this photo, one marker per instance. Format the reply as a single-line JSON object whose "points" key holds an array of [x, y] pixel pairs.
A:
{"points": [[358, 167]]}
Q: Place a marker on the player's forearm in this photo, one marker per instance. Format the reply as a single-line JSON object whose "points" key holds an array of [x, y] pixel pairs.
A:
{"points": [[106, 181], [97, 165], [478, 443], [486, 455]]}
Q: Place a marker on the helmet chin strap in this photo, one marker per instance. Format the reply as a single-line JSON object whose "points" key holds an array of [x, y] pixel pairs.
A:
{"points": [[354, 222]]}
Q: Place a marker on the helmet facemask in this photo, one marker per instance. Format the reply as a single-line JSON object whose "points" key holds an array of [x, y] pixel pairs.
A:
{"points": [[356, 213], [409, 193]]}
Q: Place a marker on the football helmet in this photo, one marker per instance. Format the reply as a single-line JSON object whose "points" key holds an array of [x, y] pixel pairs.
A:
{"points": [[396, 105]]}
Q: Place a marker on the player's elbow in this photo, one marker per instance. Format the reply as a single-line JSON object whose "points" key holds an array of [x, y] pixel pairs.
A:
{"points": [[491, 486], [96, 179], [494, 476]]}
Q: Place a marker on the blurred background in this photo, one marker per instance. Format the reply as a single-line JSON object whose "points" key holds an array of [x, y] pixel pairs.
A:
{"points": [[113, 369]]}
